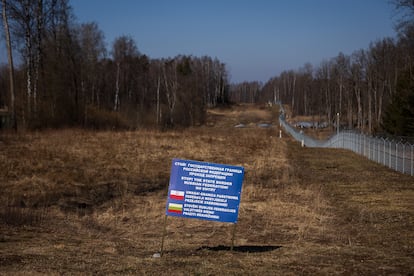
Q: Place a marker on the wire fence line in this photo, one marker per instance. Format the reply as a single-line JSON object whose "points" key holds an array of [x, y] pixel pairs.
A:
{"points": [[393, 154]]}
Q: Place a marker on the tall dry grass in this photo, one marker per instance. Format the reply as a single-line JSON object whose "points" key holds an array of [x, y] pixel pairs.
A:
{"points": [[104, 194], [55, 167]]}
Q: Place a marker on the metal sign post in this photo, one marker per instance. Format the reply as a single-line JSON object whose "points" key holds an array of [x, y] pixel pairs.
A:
{"points": [[206, 191], [233, 237], [164, 231]]}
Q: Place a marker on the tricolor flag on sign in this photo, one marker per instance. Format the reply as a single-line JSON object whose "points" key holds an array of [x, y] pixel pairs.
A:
{"points": [[175, 208], [177, 195]]}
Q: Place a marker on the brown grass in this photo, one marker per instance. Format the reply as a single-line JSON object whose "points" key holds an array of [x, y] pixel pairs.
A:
{"points": [[80, 202]]}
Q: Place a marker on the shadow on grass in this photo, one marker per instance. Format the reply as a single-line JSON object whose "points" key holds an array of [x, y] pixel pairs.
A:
{"points": [[242, 248]]}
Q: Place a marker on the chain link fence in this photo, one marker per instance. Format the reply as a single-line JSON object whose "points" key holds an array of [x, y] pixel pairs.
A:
{"points": [[393, 154]]}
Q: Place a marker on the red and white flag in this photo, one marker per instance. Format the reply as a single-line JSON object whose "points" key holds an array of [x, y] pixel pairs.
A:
{"points": [[177, 195]]}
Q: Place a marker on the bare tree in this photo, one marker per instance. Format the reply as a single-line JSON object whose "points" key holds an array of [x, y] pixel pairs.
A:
{"points": [[406, 8], [323, 74], [358, 76], [171, 86], [39, 55], [116, 100], [124, 52], [92, 49], [10, 62], [28, 26]]}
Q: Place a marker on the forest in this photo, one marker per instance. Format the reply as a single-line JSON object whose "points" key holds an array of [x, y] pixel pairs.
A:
{"points": [[66, 77], [372, 89]]}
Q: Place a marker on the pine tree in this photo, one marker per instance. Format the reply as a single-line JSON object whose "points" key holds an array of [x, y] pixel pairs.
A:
{"points": [[399, 116]]}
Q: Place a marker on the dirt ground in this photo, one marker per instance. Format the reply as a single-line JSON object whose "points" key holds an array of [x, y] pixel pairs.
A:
{"points": [[82, 202]]}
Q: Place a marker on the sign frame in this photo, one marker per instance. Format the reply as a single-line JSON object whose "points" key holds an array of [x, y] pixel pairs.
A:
{"points": [[204, 190]]}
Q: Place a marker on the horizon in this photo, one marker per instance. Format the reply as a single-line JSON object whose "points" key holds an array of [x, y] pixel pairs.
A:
{"points": [[277, 42], [257, 40]]}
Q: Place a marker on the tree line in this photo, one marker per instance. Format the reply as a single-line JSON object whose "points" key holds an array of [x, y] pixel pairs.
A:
{"points": [[67, 77], [371, 89]]}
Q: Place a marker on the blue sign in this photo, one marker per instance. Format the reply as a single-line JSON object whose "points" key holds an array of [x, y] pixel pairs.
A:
{"points": [[204, 190]]}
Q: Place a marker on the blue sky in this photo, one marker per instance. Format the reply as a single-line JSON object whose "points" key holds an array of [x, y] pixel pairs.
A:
{"points": [[257, 39]]}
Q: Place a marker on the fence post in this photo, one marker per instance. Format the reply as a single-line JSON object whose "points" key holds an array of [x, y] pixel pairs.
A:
{"points": [[404, 159], [389, 153], [363, 147], [343, 140], [371, 154], [371, 149], [374, 142], [396, 157], [354, 142], [378, 150], [348, 141], [302, 138]]}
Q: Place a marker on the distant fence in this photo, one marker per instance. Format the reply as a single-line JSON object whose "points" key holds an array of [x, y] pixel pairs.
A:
{"points": [[393, 154]]}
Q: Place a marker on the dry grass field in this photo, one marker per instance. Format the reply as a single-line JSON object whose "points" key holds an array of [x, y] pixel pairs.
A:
{"points": [[83, 202]]}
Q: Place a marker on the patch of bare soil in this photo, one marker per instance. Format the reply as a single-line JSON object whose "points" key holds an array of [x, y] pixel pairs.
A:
{"points": [[81, 202]]}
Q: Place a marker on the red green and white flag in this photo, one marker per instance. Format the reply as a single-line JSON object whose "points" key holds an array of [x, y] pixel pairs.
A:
{"points": [[175, 208], [177, 195]]}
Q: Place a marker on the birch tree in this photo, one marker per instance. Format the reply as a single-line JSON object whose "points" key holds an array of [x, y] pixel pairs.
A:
{"points": [[171, 87], [124, 52], [38, 65]]}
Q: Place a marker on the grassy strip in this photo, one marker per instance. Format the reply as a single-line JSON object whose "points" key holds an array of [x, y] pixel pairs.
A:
{"points": [[94, 202]]}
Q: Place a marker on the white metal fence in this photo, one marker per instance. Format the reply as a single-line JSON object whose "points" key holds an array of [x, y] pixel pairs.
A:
{"points": [[395, 155]]}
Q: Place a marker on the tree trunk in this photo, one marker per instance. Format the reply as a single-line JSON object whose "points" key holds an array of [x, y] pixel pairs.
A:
{"points": [[350, 110], [328, 97], [293, 95], [11, 66], [359, 107], [158, 99], [380, 100], [29, 61], [340, 95], [369, 110], [375, 100], [37, 65], [171, 93], [116, 101]]}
